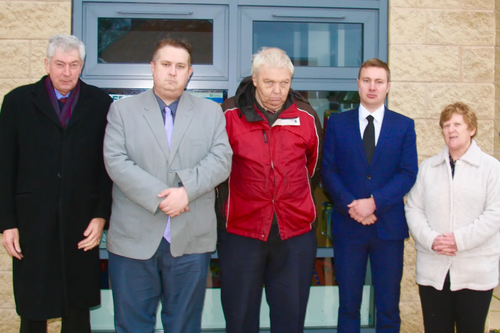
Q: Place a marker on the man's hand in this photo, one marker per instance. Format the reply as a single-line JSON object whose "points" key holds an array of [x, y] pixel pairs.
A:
{"points": [[362, 208], [10, 241], [445, 245], [93, 234], [369, 220], [176, 201]]}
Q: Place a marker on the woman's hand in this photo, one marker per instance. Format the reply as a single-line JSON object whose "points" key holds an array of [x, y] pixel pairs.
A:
{"points": [[445, 245]]}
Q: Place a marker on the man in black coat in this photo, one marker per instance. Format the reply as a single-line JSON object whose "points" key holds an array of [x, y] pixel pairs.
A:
{"points": [[55, 194]]}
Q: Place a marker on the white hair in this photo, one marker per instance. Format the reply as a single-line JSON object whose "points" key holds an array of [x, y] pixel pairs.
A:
{"points": [[65, 43], [273, 57]]}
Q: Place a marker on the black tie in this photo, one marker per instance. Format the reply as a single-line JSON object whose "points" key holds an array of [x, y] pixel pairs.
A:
{"points": [[369, 139]]}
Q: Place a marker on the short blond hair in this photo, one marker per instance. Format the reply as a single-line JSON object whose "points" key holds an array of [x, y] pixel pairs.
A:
{"points": [[374, 62]]}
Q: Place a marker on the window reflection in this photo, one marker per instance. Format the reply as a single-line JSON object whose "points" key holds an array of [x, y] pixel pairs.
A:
{"points": [[313, 44], [132, 40], [326, 103]]}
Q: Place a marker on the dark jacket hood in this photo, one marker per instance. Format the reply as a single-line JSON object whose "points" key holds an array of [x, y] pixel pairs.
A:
{"points": [[245, 99]]}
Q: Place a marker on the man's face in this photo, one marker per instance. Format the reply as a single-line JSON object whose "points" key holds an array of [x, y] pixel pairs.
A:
{"points": [[272, 86], [171, 72], [64, 68], [373, 86]]}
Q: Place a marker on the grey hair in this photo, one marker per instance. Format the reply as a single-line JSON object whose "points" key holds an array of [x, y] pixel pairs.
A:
{"points": [[272, 57], [65, 43]]}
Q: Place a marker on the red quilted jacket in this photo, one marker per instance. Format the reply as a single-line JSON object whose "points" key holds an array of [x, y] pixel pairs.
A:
{"points": [[272, 166]]}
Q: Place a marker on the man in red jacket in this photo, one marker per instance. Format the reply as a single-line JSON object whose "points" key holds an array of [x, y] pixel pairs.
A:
{"points": [[268, 238]]}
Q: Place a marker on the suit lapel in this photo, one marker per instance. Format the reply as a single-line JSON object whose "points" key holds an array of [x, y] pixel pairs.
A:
{"points": [[154, 119], [183, 117], [385, 131], [42, 101]]}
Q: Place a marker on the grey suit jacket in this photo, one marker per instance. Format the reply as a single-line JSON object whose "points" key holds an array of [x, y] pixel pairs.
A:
{"points": [[141, 165]]}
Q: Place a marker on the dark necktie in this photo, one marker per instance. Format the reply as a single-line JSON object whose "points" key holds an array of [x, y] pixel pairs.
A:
{"points": [[369, 139], [63, 100]]}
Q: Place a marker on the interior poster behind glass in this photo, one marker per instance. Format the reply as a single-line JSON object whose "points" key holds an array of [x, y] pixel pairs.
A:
{"points": [[218, 96]]}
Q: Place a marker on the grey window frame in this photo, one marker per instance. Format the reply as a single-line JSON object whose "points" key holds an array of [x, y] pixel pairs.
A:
{"points": [[233, 53], [367, 17]]}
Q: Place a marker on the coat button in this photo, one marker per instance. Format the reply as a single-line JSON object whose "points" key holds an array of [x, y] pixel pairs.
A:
{"points": [[59, 175], [368, 177]]}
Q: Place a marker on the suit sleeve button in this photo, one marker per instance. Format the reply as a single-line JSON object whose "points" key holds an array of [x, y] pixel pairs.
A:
{"points": [[368, 177]]}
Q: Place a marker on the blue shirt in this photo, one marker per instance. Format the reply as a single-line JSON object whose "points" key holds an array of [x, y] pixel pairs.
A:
{"points": [[59, 95], [172, 107]]}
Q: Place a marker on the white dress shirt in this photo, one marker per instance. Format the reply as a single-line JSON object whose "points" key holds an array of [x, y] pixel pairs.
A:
{"points": [[378, 116]]}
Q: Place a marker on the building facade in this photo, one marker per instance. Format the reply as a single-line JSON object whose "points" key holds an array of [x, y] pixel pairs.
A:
{"points": [[439, 51]]}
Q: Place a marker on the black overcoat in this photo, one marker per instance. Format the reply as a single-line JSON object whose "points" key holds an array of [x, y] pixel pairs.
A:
{"points": [[52, 183]]}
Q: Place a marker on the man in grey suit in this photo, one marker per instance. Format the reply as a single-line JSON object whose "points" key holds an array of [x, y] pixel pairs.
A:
{"points": [[165, 151]]}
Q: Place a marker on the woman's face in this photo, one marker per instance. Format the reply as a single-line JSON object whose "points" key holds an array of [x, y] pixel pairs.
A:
{"points": [[457, 133]]}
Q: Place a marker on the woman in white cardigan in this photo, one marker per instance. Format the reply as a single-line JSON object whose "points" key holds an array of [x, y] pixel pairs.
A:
{"points": [[453, 212]]}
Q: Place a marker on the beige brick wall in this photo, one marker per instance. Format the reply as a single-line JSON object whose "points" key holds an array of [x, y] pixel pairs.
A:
{"points": [[442, 51], [496, 79], [24, 29]]}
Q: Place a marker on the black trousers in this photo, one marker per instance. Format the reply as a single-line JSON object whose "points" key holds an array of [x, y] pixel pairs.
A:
{"points": [[443, 310], [284, 267], [77, 321]]}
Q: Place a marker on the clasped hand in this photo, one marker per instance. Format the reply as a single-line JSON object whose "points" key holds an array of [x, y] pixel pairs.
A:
{"points": [[175, 201], [362, 210], [445, 245]]}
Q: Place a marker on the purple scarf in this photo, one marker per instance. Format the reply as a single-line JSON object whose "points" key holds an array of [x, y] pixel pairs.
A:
{"points": [[70, 104]]}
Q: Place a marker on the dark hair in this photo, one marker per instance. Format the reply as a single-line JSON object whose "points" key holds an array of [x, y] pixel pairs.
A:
{"points": [[174, 42], [374, 62]]}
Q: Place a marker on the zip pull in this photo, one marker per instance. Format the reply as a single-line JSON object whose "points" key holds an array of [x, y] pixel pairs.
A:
{"points": [[265, 136]]}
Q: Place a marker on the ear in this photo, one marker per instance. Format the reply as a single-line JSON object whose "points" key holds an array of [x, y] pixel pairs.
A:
{"points": [[190, 71], [254, 79], [47, 66], [152, 68]]}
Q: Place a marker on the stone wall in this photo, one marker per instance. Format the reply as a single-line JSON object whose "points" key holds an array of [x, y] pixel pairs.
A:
{"points": [[441, 51], [24, 29], [496, 152]]}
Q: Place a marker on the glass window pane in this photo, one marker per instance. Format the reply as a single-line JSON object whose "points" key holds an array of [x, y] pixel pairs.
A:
{"points": [[325, 103], [132, 40], [313, 44]]}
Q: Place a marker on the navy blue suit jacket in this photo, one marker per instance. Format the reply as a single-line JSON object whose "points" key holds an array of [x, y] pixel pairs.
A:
{"points": [[348, 176]]}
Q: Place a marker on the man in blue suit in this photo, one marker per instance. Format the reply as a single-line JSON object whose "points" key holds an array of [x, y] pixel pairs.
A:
{"points": [[369, 164]]}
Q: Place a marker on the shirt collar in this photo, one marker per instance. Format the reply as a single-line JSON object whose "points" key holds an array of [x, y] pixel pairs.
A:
{"points": [[59, 95], [377, 114], [172, 106]]}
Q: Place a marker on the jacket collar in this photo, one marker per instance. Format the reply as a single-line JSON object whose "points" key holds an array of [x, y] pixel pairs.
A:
{"points": [[42, 101], [472, 156]]}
